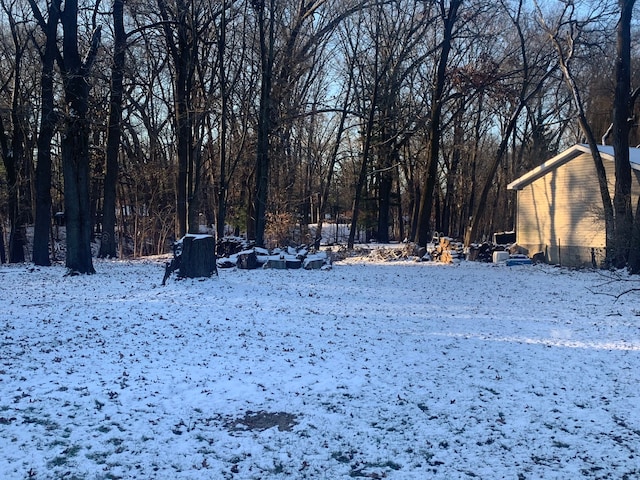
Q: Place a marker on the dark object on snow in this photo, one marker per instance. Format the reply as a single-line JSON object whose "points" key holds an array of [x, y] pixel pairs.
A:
{"points": [[482, 253], [313, 263], [248, 261], [515, 260], [226, 263], [293, 264], [174, 264], [198, 256], [227, 246], [194, 256], [538, 258], [503, 238], [276, 263]]}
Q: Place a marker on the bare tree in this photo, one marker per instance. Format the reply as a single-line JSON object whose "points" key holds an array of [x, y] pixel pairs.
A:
{"points": [[534, 68], [449, 16], [266, 13], [622, 121], [75, 140], [290, 37], [221, 217], [182, 45], [46, 131], [565, 37], [379, 66], [14, 135], [328, 180], [108, 243]]}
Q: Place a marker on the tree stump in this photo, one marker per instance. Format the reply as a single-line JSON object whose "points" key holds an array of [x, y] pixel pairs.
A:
{"points": [[198, 256]]}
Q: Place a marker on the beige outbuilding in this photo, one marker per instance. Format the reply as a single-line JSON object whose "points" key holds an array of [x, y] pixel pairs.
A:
{"points": [[559, 206]]}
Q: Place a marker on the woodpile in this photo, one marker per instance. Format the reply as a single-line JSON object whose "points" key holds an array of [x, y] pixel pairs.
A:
{"points": [[446, 251], [227, 246], [481, 252]]}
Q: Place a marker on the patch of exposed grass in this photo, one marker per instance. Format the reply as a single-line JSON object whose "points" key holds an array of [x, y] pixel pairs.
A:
{"points": [[47, 423], [99, 457]]}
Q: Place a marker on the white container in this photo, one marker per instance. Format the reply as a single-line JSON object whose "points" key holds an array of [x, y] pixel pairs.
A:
{"points": [[500, 257]]}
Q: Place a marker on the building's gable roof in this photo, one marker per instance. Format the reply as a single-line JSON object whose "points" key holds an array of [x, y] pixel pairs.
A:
{"points": [[606, 151]]}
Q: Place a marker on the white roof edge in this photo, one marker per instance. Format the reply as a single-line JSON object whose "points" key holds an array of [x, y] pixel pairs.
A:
{"points": [[634, 155], [550, 164], [566, 155]]}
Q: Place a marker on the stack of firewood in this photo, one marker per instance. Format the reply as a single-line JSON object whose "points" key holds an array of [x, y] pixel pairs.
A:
{"points": [[446, 251]]}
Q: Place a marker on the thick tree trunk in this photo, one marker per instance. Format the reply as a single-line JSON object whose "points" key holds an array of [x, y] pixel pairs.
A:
{"points": [[622, 118], [75, 143], [386, 157], [17, 235], [634, 252], [447, 209], [3, 257], [385, 189], [108, 244], [198, 257], [75, 166], [266, 31]]}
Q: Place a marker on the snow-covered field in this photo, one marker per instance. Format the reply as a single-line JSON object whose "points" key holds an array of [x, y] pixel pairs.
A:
{"points": [[369, 370]]}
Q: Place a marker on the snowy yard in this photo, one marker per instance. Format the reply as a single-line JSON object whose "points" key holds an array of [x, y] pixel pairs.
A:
{"points": [[369, 370]]}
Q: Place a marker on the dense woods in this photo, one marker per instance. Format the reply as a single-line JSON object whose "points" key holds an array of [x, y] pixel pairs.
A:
{"points": [[138, 121]]}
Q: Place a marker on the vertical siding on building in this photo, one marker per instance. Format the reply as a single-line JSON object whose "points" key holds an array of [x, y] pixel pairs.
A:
{"points": [[635, 189], [561, 212]]}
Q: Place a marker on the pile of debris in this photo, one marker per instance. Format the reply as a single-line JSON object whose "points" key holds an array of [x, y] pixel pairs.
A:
{"points": [[227, 246], [483, 252], [486, 252], [243, 254], [408, 251], [444, 249], [441, 249]]}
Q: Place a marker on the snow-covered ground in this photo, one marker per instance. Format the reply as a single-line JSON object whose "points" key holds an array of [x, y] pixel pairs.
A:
{"points": [[369, 370]]}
